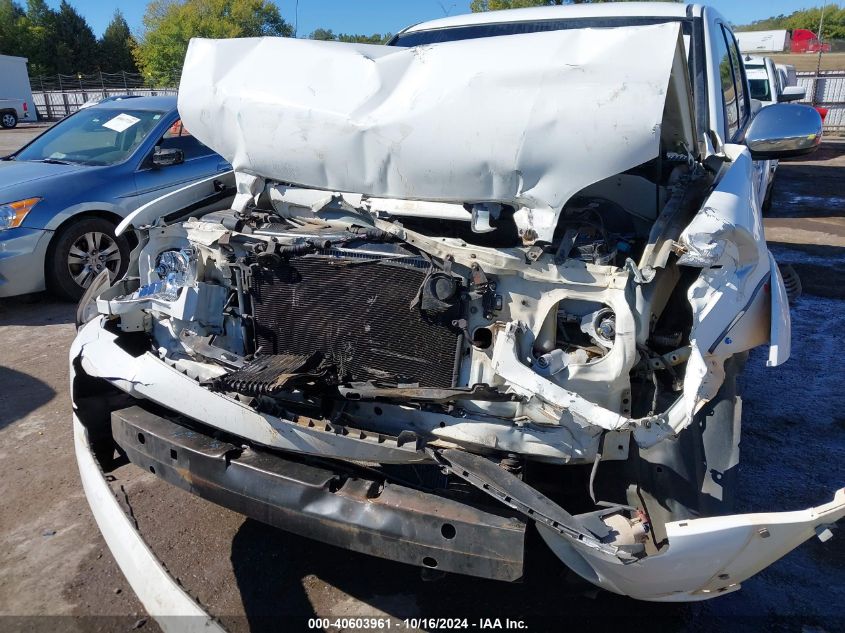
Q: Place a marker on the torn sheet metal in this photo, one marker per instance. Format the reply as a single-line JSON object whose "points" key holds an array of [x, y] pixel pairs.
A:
{"points": [[526, 120], [704, 557], [147, 377]]}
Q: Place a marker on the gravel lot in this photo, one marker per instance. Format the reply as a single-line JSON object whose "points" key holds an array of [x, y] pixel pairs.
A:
{"points": [[53, 561]]}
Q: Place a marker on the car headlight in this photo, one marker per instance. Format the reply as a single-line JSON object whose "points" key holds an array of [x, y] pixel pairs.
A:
{"points": [[12, 214], [175, 269]]}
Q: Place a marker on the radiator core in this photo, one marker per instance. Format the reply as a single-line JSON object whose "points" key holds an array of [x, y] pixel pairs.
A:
{"points": [[358, 313]]}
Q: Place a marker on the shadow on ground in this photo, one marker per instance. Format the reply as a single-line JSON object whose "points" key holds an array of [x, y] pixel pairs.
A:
{"points": [[280, 576], [36, 309], [14, 382]]}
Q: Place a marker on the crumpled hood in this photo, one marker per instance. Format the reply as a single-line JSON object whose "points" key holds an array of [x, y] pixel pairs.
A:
{"points": [[527, 120]]}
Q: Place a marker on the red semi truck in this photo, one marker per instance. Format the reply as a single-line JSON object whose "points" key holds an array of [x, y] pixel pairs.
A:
{"points": [[781, 41]]}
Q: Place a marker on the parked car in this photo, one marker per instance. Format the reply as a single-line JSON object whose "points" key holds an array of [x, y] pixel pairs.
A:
{"points": [[766, 84], [12, 111], [63, 194], [468, 285], [99, 99]]}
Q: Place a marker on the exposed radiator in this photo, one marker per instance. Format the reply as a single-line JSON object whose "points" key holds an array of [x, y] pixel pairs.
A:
{"points": [[359, 314]]}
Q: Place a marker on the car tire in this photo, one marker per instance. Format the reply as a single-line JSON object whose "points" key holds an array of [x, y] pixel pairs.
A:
{"points": [[79, 251], [8, 119]]}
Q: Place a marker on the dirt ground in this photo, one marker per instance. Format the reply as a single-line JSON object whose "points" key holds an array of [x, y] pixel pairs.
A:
{"points": [[57, 574], [809, 61]]}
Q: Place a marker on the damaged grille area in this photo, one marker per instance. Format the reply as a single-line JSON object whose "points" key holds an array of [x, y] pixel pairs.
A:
{"points": [[358, 314], [268, 375]]}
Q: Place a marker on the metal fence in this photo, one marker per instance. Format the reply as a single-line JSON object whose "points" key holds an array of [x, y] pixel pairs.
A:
{"points": [[55, 104], [56, 96], [826, 90]]}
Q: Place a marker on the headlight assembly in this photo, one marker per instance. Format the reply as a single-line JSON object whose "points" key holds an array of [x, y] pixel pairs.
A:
{"points": [[12, 214], [175, 269]]}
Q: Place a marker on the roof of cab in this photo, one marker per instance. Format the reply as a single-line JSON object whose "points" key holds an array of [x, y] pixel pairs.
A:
{"points": [[161, 102], [754, 62], [603, 9]]}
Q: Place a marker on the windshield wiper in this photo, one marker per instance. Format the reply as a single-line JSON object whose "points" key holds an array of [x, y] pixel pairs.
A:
{"points": [[53, 161]]}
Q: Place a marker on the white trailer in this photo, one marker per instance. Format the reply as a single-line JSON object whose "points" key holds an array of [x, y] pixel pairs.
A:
{"points": [[14, 86], [764, 41]]}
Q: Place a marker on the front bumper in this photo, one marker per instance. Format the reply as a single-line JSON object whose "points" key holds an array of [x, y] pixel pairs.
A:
{"points": [[703, 558], [22, 254], [160, 594]]}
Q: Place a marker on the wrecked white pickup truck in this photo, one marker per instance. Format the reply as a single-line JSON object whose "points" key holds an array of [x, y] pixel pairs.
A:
{"points": [[501, 273]]}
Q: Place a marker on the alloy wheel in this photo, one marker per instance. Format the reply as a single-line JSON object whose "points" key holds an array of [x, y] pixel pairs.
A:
{"points": [[91, 254]]}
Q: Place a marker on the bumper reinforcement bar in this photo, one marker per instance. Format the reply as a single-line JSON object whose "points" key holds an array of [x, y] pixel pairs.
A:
{"points": [[373, 517]]}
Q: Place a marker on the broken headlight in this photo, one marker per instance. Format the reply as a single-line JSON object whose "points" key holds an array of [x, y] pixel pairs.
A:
{"points": [[175, 269]]}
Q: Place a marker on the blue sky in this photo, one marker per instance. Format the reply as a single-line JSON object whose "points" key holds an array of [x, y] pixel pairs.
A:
{"points": [[379, 16]]}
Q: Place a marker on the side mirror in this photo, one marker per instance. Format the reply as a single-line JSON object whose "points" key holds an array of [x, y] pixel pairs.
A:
{"points": [[793, 93], [167, 157], [782, 130]]}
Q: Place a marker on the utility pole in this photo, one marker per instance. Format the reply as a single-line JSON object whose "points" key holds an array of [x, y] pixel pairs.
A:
{"points": [[819, 62]]}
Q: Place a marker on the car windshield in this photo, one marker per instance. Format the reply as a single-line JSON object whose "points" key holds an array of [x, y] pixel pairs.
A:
{"points": [[473, 31], [760, 89], [94, 136]]}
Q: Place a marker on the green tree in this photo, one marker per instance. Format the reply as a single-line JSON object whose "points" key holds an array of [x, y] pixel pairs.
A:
{"points": [[76, 45], [323, 34], [12, 28], [329, 35], [115, 47], [375, 38], [478, 6], [170, 24], [834, 22], [39, 44]]}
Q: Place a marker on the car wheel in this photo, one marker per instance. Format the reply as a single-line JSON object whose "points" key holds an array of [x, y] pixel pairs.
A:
{"points": [[80, 251], [8, 119]]}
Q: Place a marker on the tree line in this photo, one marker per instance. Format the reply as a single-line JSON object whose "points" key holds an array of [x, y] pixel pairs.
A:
{"points": [[62, 42], [834, 22]]}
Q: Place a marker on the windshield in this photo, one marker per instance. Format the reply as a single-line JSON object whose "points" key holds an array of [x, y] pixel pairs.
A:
{"points": [[94, 136], [472, 31], [760, 89]]}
